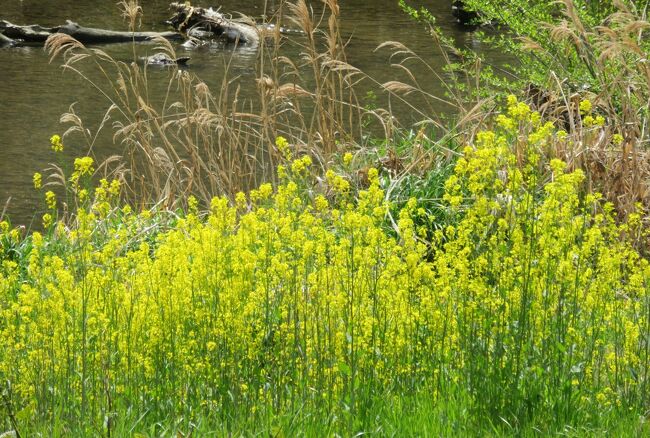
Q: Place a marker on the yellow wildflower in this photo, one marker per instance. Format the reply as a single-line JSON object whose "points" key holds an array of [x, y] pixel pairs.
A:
{"points": [[337, 182], [265, 191], [47, 220], [55, 142], [50, 199], [240, 200], [520, 111], [506, 122], [37, 239], [301, 165], [83, 165], [320, 203], [38, 180], [114, 189], [373, 175], [83, 195], [282, 172], [192, 204], [283, 146]]}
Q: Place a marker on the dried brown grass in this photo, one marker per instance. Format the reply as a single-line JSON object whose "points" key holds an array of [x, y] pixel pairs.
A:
{"points": [[615, 53], [204, 143]]}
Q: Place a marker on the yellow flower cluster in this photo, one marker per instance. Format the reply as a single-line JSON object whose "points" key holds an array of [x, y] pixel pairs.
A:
{"points": [[529, 301], [47, 220], [83, 165], [556, 301], [301, 165], [55, 143], [50, 200], [283, 147], [37, 180], [617, 139], [337, 182], [588, 120], [105, 194]]}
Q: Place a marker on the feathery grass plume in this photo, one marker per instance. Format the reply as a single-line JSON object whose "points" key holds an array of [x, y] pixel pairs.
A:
{"points": [[131, 12]]}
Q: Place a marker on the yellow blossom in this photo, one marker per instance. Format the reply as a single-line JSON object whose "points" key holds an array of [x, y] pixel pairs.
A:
{"points": [[115, 187], [55, 142], [38, 180], [83, 195], [83, 165], [617, 139], [50, 199], [47, 220], [320, 203], [240, 200], [506, 122], [373, 175], [192, 204], [283, 146]]}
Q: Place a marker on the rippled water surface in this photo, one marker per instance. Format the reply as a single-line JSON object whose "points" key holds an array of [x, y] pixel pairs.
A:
{"points": [[34, 93]]}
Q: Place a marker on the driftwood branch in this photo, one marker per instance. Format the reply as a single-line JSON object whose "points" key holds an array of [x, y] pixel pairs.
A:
{"points": [[85, 35], [204, 23], [188, 21]]}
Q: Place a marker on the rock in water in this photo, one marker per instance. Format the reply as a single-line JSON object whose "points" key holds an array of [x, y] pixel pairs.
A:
{"points": [[163, 59]]}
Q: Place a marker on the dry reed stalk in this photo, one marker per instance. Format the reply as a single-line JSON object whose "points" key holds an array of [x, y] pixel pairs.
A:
{"points": [[613, 53], [131, 12], [207, 144]]}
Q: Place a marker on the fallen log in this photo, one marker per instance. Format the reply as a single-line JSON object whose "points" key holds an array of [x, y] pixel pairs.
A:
{"points": [[195, 22], [204, 23], [85, 35]]}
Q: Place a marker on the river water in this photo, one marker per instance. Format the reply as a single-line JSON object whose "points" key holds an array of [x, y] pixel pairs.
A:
{"points": [[34, 92]]}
